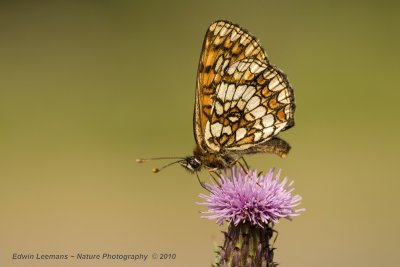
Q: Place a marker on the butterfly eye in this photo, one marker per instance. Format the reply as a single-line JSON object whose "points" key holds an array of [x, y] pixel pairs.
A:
{"points": [[191, 163]]}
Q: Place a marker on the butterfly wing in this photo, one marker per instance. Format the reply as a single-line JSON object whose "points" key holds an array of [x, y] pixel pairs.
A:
{"points": [[242, 101], [224, 44], [250, 110]]}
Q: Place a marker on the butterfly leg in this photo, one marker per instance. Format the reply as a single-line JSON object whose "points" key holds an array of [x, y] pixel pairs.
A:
{"points": [[245, 167], [245, 163], [201, 182], [213, 173]]}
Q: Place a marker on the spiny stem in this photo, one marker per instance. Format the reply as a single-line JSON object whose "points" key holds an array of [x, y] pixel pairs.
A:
{"points": [[247, 245]]}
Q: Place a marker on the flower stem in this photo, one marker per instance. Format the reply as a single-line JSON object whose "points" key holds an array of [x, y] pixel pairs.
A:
{"points": [[247, 245]]}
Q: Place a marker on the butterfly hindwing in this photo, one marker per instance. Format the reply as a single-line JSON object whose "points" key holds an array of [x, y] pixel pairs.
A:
{"points": [[249, 113]]}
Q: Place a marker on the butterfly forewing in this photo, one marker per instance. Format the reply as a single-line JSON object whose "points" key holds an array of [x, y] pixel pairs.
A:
{"points": [[224, 44], [241, 100]]}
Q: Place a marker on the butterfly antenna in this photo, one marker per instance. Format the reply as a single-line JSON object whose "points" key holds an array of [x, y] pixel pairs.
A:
{"points": [[155, 170], [145, 160]]}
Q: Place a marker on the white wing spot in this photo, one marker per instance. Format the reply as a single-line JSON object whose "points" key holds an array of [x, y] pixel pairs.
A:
{"points": [[240, 133], [258, 112], [227, 105], [218, 27], [253, 102], [243, 65], [267, 132], [245, 39], [223, 31], [222, 91], [255, 68], [235, 35], [274, 82], [232, 68], [241, 103], [249, 117], [279, 87], [269, 74], [239, 91], [249, 49], [257, 136], [216, 129], [249, 93], [268, 120], [218, 64], [283, 96], [212, 27], [208, 137], [257, 125], [218, 108], [226, 62], [230, 92], [233, 118], [288, 110], [227, 130]]}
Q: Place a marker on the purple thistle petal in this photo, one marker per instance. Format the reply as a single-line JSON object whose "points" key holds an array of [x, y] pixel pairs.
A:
{"points": [[258, 199]]}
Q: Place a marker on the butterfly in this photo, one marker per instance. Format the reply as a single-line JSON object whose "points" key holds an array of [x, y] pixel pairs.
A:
{"points": [[242, 102]]}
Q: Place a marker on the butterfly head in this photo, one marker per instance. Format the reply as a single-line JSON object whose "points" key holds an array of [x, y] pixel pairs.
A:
{"points": [[191, 163]]}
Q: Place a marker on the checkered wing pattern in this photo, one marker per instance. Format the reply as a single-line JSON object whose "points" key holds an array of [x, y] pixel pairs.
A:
{"points": [[242, 100]]}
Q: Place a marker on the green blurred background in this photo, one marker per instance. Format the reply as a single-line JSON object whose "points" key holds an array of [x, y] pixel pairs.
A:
{"points": [[87, 87]]}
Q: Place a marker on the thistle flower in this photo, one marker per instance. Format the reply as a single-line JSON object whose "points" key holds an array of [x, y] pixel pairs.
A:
{"points": [[252, 203], [251, 197]]}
